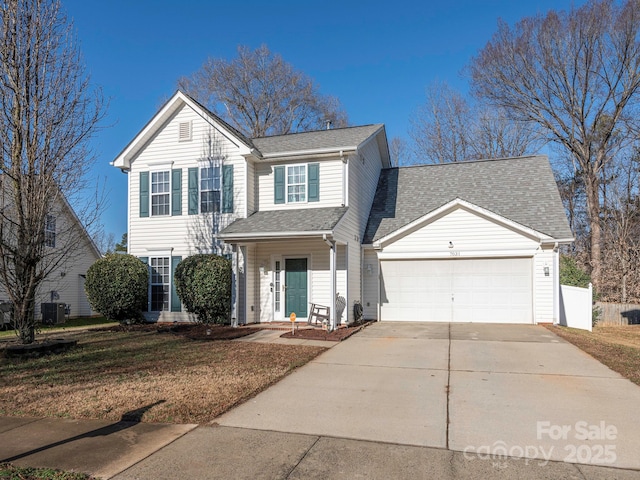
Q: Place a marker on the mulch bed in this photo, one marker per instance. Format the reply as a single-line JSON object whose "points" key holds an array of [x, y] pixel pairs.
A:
{"points": [[319, 334], [35, 349], [193, 331]]}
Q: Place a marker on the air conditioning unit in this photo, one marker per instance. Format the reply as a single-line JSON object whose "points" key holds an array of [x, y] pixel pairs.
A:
{"points": [[52, 313]]}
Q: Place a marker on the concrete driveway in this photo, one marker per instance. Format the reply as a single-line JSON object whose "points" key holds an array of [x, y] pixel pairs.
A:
{"points": [[486, 390]]}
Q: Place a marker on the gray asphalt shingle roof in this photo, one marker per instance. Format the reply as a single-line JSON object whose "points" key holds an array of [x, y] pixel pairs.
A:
{"points": [[287, 221], [318, 140], [521, 189]]}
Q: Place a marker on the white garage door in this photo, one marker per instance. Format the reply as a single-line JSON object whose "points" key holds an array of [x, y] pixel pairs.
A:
{"points": [[461, 290]]}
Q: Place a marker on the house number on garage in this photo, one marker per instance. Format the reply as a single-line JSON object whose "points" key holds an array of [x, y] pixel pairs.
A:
{"points": [[454, 253]]}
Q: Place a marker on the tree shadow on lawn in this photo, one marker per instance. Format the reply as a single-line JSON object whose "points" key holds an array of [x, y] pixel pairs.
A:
{"points": [[127, 420]]}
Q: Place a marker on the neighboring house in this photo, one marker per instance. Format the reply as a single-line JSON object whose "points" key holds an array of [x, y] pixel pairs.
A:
{"points": [[65, 283], [294, 214]]}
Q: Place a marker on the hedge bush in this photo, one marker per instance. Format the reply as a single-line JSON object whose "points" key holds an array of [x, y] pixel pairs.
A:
{"points": [[571, 274], [203, 283], [117, 285]]}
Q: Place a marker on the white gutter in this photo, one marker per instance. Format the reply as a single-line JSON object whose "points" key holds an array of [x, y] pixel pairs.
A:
{"points": [[555, 242], [249, 236], [315, 151]]}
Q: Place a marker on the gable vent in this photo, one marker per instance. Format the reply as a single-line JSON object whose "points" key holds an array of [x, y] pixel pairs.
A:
{"points": [[184, 131]]}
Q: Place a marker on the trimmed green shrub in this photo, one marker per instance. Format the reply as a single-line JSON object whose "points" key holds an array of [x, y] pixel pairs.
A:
{"points": [[117, 287], [203, 283]]}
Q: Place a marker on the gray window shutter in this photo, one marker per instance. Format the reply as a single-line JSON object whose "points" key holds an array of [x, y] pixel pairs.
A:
{"points": [[227, 189], [175, 300], [193, 191], [144, 194], [176, 192], [279, 184], [313, 173]]}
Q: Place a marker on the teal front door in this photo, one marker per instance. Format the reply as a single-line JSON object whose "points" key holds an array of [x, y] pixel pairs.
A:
{"points": [[296, 286]]}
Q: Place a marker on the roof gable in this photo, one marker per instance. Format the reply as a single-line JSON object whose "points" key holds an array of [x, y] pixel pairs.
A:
{"points": [[522, 190], [456, 205], [166, 112]]}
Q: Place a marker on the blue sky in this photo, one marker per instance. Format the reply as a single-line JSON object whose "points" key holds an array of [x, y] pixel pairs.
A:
{"points": [[376, 57]]}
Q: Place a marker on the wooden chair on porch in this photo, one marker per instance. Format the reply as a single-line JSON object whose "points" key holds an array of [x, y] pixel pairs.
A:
{"points": [[318, 313]]}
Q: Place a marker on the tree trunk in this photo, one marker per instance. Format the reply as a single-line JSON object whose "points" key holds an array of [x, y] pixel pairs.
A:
{"points": [[24, 319], [593, 208]]}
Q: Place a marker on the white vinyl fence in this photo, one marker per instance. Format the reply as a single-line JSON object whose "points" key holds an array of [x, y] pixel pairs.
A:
{"points": [[576, 307]]}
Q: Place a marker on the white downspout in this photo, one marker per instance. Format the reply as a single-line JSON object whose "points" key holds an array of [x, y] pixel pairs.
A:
{"points": [[556, 285]]}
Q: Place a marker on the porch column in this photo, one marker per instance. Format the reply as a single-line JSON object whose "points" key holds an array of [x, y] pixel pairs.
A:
{"points": [[235, 285], [332, 270]]}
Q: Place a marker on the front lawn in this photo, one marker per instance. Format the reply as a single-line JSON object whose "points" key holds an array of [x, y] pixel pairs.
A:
{"points": [[11, 472], [144, 375], [616, 347]]}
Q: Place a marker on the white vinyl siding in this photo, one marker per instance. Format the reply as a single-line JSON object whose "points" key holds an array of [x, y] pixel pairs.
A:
{"points": [[67, 278], [362, 181], [187, 234], [251, 188], [467, 231], [370, 284], [544, 286], [330, 175]]}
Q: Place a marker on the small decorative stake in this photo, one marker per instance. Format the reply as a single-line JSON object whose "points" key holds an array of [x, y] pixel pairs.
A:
{"points": [[292, 317]]}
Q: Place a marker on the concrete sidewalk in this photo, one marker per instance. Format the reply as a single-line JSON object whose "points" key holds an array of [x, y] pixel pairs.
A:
{"points": [[125, 451]]}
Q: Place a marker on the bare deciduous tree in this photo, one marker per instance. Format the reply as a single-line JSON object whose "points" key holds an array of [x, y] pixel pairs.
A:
{"points": [[576, 74], [621, 232], [48, 111], [450, 128], [260, 94], [439, 126], [398, 151]]}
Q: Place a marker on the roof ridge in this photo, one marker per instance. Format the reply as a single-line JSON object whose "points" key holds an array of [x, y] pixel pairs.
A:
{"points": [[467, 162], [319, 131]]}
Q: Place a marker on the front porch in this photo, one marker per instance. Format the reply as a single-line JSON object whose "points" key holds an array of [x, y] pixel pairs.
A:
{"points": [[279, 277]]}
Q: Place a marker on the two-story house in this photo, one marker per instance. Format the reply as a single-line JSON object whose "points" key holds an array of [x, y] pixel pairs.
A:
{"points": [[307, 216]]}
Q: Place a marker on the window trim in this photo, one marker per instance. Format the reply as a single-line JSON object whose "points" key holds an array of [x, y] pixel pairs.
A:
{"points": [[213, 164], [152, 284], [168, 172], [49, 234], [306, 183]]}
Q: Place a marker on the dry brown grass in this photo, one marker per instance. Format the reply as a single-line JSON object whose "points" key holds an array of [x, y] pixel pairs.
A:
{"points": [[156, 377], [617, 347]]}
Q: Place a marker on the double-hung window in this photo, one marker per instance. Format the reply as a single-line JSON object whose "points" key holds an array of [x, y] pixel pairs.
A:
{"points": [[50, 231], [160, 193], [296, 183], [160, 283], [210, 189]]}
